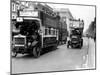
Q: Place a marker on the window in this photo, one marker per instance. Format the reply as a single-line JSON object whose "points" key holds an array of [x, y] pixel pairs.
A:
{"points": [[13, 7], [12, 16], [53, 32], [46, 30], [49, 31], [17, 7]]}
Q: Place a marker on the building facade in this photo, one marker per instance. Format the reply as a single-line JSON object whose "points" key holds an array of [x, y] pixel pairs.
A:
{"points": [[65, 16], [15, 6]]}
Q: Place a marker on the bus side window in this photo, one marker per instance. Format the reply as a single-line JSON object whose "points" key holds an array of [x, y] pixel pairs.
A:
{"points": [[54, 32], [49, 31], [46, 31]]}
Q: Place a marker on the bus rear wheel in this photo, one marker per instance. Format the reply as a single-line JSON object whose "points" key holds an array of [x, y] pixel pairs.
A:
{"points": [[36, 52]]}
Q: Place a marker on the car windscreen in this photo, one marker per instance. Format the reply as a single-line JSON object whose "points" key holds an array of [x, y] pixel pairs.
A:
{"points": [[28, 26]]}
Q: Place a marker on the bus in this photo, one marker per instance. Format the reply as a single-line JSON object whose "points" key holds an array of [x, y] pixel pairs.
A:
{"points": [[34, 30]]}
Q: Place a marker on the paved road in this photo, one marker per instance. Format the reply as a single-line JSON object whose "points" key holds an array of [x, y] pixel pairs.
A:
{"points": [[60, 59]]}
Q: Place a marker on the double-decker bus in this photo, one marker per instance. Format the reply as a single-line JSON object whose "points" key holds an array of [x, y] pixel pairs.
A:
{"points": [[36, 29]]}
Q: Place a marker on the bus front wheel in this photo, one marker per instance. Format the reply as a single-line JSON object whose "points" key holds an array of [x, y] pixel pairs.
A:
{"points": [[36, 52], [14, 54]]}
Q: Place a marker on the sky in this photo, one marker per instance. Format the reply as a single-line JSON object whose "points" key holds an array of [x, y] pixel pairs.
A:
{"points": [[87, 13]]}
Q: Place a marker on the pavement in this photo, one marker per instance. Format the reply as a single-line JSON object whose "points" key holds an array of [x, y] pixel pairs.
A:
{"points": [[62, 58]]}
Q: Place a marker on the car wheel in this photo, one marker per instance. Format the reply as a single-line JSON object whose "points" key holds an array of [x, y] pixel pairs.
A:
{"points": [[14, 54]]}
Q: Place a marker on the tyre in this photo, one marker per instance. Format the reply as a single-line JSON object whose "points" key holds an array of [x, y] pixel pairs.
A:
{"points": [[68, 44], [72, 46], [65, 42], [36, 52], [14, 54]]}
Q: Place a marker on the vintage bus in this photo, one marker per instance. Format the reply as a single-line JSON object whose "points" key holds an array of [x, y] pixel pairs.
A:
{"points": [[36, 29]]}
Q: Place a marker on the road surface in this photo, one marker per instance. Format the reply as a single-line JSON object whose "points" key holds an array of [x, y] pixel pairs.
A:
{"points": [[62, 58]]}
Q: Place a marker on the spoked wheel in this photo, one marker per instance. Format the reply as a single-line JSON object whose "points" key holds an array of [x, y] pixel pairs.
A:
{"points": [[14, 54], [36, 52]]}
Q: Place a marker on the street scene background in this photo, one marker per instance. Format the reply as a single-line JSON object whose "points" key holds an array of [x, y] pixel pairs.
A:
{"points": [[57, 60], [61, 58]]}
